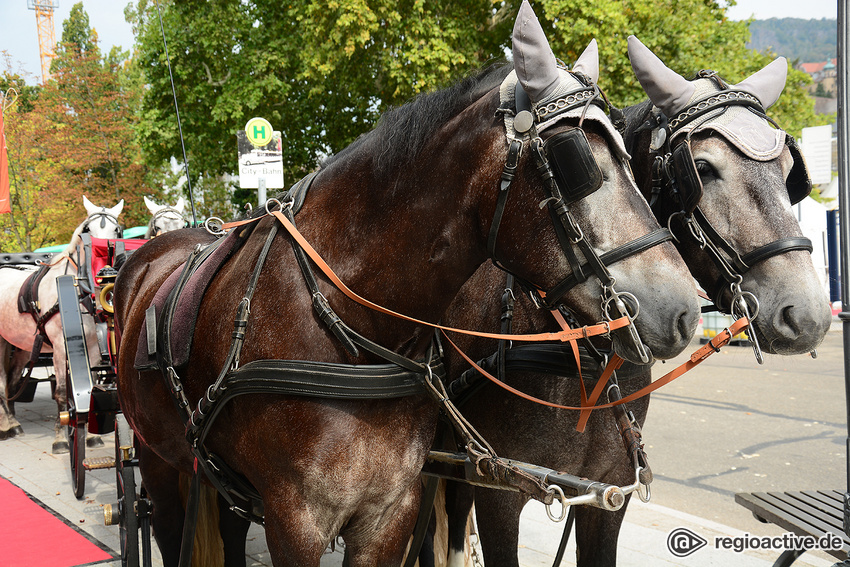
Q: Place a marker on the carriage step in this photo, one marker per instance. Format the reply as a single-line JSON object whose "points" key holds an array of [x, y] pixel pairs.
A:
{"points": [[98, 463]]}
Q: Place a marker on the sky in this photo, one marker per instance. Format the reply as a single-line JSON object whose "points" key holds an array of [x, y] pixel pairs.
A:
{"points": [[19, 36]]}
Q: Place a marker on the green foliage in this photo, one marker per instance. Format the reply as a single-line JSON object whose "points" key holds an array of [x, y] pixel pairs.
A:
{"points": [[14, 82], [77, 38], [320, 72], [73, 137]]}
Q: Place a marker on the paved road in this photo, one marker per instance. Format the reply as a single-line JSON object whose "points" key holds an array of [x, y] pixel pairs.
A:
{"points": [[727, 426]]}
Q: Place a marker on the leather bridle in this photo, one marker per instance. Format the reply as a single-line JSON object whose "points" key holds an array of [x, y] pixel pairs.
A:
{"points": [[558, 196], [674, 169], [103, 215], [166, 210]]}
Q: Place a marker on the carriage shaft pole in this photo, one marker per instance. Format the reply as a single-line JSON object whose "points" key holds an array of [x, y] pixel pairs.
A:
{"points": [[458, 467]]}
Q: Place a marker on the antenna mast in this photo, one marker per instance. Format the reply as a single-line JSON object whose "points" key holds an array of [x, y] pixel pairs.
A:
{"points": [[46, 35]]}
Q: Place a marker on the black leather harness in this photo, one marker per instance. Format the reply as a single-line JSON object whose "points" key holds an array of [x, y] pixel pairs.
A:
{"points": [[674, 171]]}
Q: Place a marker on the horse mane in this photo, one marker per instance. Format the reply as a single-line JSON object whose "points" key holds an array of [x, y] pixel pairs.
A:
{"points": [[635, 116], [402, 132], [76, 240]]}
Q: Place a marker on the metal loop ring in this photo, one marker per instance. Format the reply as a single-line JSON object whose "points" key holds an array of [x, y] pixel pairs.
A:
{"points": [[646, 488], [670, 227], [560, 496], [741, 305], [273, 200], [615, 296], [214, 226]]}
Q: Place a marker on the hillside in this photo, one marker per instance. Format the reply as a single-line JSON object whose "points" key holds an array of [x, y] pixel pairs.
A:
{"points": [[797, 39]]}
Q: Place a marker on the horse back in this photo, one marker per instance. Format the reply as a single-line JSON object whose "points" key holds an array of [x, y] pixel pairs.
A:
{"points": [[148, 267]]}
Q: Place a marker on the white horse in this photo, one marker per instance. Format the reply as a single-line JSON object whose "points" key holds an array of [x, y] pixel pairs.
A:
{"points": [[165, 217], [20, 329]]}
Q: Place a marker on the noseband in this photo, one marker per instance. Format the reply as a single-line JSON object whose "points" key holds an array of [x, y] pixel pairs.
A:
{"points": [[569, 172], [675, 170]]}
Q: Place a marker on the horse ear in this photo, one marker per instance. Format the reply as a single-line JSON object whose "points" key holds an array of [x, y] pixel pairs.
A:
{"points": [[90, 207], [768, 83], [116, 210], [588, 62], [667, 90], [151, 205], [534, 61], [180, 205]]}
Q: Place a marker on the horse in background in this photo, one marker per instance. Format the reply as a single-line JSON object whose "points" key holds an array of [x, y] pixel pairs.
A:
{"points": [[165, 218], [21, 330], [749, 175]]}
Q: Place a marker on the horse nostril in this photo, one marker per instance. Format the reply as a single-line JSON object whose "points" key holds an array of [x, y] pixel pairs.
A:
{"points": [[789, 322], [686, 324]]}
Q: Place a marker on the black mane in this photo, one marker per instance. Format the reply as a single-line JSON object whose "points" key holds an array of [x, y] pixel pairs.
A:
{"points": [[403, 131], [635, 117]]}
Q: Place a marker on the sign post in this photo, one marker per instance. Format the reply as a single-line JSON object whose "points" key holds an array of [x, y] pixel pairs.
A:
{"points": [[260, 157]]}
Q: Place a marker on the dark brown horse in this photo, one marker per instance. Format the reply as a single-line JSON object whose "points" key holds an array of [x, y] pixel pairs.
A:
{"points": [[748, 177], [403, 215]]}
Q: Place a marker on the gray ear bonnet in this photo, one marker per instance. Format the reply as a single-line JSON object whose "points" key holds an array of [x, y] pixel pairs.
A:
{"points": [[550, 86], [674, 96]]}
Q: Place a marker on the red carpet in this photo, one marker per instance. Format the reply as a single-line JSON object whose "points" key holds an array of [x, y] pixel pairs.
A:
{"points": [[31, 536]]}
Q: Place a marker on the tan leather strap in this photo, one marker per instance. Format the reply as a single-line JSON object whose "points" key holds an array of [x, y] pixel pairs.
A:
{"points": [[714, 345], [564, 335]]}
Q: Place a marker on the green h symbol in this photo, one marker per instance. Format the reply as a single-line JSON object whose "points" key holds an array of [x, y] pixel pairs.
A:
{"points": [[260, 132]]}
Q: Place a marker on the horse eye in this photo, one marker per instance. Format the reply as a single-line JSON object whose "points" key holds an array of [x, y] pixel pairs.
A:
{"points": [[705, 169]]}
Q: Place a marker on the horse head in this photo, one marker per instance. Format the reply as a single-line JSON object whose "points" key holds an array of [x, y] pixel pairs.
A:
{"points": [[603, 253], [165, 218], [101, 222], [730, 180]]}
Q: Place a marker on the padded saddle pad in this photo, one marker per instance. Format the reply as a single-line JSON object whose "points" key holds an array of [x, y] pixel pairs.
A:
{"points": [[188, 304]]}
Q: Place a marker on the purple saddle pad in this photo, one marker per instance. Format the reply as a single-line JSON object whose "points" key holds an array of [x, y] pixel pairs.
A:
{"points": [[188, 305]]}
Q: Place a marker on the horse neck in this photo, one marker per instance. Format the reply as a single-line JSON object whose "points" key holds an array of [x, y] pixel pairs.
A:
{"points": [[409, 242]]}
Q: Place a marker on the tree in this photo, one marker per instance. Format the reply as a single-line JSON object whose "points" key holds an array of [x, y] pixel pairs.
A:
{"points": [[322, 72], [92, 123], [73, 137]]}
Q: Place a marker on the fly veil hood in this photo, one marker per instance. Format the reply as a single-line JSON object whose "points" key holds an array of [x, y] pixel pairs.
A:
{"points": [[550, 88], [679, 99]]}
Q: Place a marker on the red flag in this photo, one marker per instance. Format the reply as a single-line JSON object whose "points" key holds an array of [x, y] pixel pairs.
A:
{"points": [[5, 206]]}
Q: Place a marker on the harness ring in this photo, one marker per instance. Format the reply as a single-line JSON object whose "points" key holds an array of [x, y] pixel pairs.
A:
{"points": [[214, 226], [554, 488], [279, 205]]}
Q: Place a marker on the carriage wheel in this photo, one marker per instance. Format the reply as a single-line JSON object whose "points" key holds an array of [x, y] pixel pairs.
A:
{"points": [[76, 431], [126, 480]]}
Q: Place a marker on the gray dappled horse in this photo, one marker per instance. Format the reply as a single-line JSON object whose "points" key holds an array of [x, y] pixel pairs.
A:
{"points": [[404, 215], [749, 175]]}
